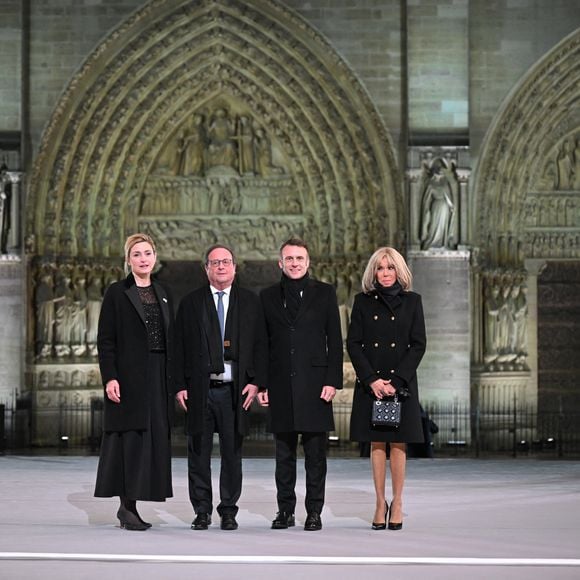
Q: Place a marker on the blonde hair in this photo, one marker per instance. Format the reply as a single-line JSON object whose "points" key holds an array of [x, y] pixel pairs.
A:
{"points": [[404, 275], [132, 241]]}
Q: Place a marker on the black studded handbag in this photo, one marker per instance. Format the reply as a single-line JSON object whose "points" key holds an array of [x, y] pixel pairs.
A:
{"points": [[386, 412]]}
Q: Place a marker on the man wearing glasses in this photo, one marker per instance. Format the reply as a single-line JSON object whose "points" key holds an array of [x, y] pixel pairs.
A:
{"points": [[304, 371], [221, 363]]}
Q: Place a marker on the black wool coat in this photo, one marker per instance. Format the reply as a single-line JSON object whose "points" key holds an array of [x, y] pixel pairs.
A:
{"points": [[123, 349], [192, 355], [386, 340], [304, 355]]}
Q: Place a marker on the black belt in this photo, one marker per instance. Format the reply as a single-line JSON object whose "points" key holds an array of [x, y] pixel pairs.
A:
{"points": [[213, 383]]}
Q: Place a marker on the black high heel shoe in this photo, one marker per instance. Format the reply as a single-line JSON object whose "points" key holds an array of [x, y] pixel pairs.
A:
{"points": [[395, 525], [381, 526], [130, 521]]}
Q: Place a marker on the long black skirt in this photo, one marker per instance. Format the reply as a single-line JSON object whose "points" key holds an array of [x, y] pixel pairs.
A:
{"points": [[137, 464]]}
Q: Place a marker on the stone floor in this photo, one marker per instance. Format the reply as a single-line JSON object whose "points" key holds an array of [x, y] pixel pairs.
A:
{"points": [[463, 518]]}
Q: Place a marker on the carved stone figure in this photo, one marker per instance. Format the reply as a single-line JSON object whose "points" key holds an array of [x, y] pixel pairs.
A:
{"points": [[94, 297], [78, 318], [245, 139], [193, 148], [222, 148], [5, 195], [504, 322], [263, 152], [44, 306], [63, 300], [565, 167], [577, 165], [492, 307], [438, 207], [520, 314]]}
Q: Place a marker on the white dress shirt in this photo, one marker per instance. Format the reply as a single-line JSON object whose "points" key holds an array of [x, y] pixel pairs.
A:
{"points": [[227, 375]]}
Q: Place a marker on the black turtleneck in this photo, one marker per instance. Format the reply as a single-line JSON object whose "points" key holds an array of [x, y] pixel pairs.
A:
{"points": [[292, 292]]}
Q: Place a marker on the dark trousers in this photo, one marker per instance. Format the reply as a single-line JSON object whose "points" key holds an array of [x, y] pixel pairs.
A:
{"points": [[220, 417], [314, 445]]}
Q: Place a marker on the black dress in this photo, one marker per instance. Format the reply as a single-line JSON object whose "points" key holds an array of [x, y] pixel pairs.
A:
{"points": [[386, 339], [137, 463]]}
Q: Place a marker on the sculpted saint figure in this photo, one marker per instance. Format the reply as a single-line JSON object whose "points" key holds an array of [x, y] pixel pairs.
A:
{"points": [[565, 168], [222, 149], [438, 207]]}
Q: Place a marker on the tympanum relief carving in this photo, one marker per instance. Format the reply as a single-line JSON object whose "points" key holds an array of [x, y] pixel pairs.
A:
{"points": [[552, 210]]}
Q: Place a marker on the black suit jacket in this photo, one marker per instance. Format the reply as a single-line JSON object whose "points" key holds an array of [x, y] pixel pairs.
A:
{"points": [[193, 359], [304, 356], [123, 349]]}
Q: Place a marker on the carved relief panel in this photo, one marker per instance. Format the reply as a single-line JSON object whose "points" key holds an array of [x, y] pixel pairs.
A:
{"points": [[552, 210], [505, 319]]}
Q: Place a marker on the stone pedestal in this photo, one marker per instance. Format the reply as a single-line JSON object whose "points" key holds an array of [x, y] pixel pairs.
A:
{"points": [[66, 404], [442, 279]]}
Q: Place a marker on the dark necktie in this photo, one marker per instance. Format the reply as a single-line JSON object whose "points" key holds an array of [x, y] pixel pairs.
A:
{"points": [[220, 313]]}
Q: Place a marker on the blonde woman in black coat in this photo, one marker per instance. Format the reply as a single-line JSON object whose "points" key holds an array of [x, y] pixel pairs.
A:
{"points": [[386, 342], [135, 344]]}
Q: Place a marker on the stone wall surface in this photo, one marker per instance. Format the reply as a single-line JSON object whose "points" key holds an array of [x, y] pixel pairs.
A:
{"points": [[438, 49], [10, 64], [506, 38], [62, 35], [11, 335]]}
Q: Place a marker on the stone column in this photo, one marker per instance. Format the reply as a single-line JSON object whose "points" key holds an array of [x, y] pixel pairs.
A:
{"points": [[14, 243]]}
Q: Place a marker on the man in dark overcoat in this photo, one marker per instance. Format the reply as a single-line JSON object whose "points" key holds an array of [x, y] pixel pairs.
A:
{"points": [[220, 367], [304, 371]]}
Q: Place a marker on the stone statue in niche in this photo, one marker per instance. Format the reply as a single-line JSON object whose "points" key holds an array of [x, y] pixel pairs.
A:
{"points": [[565, 165], [5, 199], [439, 206]]}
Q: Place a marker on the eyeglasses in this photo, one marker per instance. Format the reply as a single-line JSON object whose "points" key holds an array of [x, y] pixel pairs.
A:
{"points": [[216, 263]]}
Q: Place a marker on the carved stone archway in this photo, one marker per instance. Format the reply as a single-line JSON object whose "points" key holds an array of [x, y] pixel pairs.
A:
{"points": [[526, 204], [175, 59], [321, 165], [540, 113]]}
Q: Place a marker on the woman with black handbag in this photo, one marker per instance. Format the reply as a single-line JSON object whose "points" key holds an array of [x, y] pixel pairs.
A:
{"points": [[386, 342]]}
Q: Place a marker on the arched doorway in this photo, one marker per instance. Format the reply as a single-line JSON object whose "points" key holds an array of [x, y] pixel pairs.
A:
{"points": [[526, 196], [229, 120]]}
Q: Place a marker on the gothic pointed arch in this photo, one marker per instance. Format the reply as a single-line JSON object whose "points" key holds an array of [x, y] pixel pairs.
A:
{"points": [[519, 162], [114, 156]]}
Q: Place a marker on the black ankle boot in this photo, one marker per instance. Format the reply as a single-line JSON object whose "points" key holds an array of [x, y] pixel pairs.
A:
{"points": [[130, 506]]}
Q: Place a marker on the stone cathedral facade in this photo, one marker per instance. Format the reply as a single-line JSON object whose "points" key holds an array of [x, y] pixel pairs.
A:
{"points": [[434, 127]]}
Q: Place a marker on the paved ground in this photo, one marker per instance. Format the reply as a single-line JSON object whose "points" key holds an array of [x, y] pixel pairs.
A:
{"points": [[463, 518]]}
